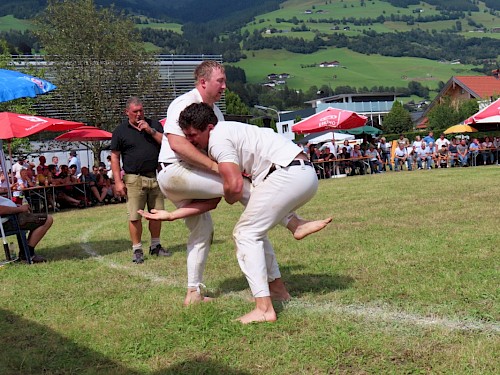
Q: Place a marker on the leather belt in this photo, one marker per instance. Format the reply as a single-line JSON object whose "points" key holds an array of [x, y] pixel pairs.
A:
{"points": [[147, 174], [162, 165], [294, 162]]}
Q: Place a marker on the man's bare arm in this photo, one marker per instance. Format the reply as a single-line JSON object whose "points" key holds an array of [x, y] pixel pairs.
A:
{"points": [[190, 154], [233, 182], [115, 168]]}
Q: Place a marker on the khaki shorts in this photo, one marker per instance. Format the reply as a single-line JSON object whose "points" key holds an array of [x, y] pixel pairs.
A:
{"points": [[142, 191], [27, 221]]}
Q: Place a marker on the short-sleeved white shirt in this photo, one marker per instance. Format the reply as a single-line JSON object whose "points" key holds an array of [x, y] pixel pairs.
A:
{"points": [[172, 126], [440, 142], [254, 149], [400, 153]]}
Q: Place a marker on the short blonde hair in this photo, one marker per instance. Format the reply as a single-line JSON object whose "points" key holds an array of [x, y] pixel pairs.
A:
{"points": [[205, 69]]}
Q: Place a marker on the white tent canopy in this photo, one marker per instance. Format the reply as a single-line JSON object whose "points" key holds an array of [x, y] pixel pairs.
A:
{"points": [[328, 136]]}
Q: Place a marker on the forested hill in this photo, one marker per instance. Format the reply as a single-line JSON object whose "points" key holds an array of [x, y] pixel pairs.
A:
{"points": [[181, 11]]}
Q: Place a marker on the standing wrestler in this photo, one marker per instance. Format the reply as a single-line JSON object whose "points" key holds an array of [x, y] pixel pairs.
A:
{"points": [[188, 174], [137, 141], [274, 164]]}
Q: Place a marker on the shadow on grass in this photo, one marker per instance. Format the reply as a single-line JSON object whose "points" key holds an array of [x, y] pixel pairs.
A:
{"points": [[79, 250], [200, 365], [297, 284], [31, 348]]}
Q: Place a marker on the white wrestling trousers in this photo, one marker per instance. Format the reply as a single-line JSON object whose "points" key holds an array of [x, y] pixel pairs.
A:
{"points": [[181, 183], [283, 191]]}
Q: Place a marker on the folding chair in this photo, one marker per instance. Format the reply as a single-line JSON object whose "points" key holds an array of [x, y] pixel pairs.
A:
{"points": [[19, 233]]}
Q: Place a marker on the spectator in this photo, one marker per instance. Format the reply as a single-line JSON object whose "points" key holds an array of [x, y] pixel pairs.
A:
{"points": [[452, 148], [55, 162], [423, 155], [347, 146], [443, 156], [442, 141], [136, 141], [487, 151], [374, 159], [401, 157], [385, 153], [356, 162], [432, 152], [37, 224], [73, 160], [402, 139], [474, 150], [463, 153], [429, 138], [417, 143], [18, 165]]}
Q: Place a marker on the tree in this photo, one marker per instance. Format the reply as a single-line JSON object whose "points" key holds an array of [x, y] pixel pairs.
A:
{"points": [[234, 104], [97, 61], [398, 120], [443, 115]]}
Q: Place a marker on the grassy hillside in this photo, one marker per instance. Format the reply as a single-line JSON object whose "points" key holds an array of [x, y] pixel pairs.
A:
{"points": [[10, 23], [356, 69], [359, 70]]}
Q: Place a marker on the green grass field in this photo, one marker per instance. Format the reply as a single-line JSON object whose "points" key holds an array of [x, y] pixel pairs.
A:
{"points": [[404, 280]]}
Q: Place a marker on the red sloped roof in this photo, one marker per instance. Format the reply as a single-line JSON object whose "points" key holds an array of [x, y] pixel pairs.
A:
{"points": [[482, 86]]}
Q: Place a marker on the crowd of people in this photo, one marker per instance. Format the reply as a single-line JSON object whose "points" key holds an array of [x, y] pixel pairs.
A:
{"points": [[64, 180], [377, 156]]}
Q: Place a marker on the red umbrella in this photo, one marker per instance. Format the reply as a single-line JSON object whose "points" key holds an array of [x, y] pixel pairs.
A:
{"points": [[330, 119], [85, 134], [488, 115], [14, 125]]}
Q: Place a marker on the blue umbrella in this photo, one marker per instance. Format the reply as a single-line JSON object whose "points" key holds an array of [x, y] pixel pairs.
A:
{"points": [[15, 85]]}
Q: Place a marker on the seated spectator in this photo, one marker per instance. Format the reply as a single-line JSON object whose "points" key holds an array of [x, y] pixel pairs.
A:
{"points": [[357, 165], [374, 159], [442, 157], [42, 167], [347, 146], [453, 153], [463, 153], [4, 184], [433, 153], [384, 149], [487, 151], [64, 192], [423, 155], [91, 181], [474, 151], [37, 224], [326, 156], [401, 157], [103, 183]]}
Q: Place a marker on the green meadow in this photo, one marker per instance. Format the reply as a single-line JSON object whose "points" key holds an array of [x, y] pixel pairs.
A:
{"points": [[403, 281], [10, 23], [356, 69]]}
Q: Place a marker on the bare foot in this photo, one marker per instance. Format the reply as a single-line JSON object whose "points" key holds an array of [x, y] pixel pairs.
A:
{"points": [[194, 297], [305, 228], [278, 291], [258, 316]]}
